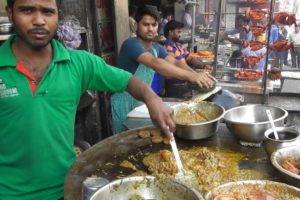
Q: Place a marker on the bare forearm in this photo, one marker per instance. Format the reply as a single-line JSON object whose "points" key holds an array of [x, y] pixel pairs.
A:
{"points": [[160, 114], [182, 72], [195, 63], [234, 40], [140, 90], [184, 66]]}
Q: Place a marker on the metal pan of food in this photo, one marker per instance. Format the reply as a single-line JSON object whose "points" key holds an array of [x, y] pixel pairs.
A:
{"points": [[139, 187], [197, 120], [254, 189], [145, 156], [287, 163]]}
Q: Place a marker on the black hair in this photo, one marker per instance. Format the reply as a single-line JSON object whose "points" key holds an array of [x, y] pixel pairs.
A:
{"points": [[10, 3], [132, 10], [146, 10], [166, 14], [187, 7], [171, 26], [243, 18]]}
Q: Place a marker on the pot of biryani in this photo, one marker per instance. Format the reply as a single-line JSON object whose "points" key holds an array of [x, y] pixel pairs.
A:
{"points": [[145, 187], [197, 120], [254, 190]]}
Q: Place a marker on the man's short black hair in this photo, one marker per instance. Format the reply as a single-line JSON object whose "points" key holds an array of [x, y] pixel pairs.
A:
{"points": [[146, 10], [132, 10], [242, 18], [171, 26], [10, 3]]}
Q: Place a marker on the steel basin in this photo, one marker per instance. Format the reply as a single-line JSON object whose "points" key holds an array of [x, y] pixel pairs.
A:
{"points": [[200, 130], [287, 137], [146, 188], [248, 123], [261, 183], [278, 157]]}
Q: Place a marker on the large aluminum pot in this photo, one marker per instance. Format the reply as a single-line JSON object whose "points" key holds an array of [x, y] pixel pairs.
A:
{"points": [[139, 187], [279, 156], [200, 130], [248, 123], [271, 185], [288, 137]]}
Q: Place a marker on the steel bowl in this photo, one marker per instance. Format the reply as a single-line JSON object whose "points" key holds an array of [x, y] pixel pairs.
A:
{"points": [[287, 137], [201, 130], [221, 189], [5, 28], [278, 157], [145, 188], [248, 123]]}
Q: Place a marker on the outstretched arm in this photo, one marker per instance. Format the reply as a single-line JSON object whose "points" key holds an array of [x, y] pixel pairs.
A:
{"points": [[161, 115], [170, 70]]}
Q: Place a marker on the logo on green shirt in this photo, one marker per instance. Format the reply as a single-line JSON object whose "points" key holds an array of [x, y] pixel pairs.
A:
{"points": [[7, 92]]}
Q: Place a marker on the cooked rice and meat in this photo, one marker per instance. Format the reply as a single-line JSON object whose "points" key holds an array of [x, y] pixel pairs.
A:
{"points": [[212, 167]]}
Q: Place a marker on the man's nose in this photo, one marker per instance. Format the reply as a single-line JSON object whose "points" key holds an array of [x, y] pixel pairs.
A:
{"points": [[38, 19]]}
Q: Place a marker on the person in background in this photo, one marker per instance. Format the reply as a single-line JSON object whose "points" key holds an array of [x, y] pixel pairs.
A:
{"points": [[294, 38], [214, 22], [172, 33], [40, 85], [167, 16], [283, 34], [241, 27], [200, 20], [132, 22], [143, 57], [187, 17]]}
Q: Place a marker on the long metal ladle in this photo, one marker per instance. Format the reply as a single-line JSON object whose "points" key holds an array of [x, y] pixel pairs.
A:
{"points": [[272, 124]]}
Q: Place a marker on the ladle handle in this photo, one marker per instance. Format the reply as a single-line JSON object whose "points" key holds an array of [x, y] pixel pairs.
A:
{"points": [[176, 155], [272, 124]]}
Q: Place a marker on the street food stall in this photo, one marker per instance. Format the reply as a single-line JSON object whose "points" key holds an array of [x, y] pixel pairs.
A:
{"points": [[236, 150]]}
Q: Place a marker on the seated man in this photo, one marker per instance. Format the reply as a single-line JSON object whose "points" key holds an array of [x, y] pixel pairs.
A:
{"points": [[172, 32]]}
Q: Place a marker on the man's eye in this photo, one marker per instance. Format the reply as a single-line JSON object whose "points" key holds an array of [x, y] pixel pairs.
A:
{"points": [[49, 12], [26, 10]]}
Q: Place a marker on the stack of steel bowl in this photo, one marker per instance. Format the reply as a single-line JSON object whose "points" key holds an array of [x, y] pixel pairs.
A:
{"points": [[248, 123]]}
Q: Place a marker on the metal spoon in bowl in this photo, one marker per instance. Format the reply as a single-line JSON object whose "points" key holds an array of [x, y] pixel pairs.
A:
{"points": [[272, 124]]}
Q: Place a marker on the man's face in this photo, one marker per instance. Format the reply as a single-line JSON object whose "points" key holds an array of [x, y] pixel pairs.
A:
{"points": [[169, 17], [35, 21], [147, 28], [176, 34]]}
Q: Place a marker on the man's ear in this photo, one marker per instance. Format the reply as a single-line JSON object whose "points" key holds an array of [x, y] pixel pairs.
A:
{"points": [[9, 13]]}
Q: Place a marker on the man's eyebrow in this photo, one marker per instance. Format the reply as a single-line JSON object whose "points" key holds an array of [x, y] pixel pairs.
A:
{"points": [[42, 8]]}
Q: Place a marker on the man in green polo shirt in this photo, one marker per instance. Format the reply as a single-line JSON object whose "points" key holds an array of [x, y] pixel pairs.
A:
{"points": [[40, 86]]}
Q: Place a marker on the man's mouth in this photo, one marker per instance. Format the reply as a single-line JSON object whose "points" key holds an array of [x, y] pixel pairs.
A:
{"points": [[38, 33]]}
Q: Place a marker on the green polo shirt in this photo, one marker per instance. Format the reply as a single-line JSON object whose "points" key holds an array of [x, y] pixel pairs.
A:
{"points": [[37, 130]]}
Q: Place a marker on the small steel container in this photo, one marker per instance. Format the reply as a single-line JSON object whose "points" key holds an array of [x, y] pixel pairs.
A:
{"points": [[287, 137]]}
